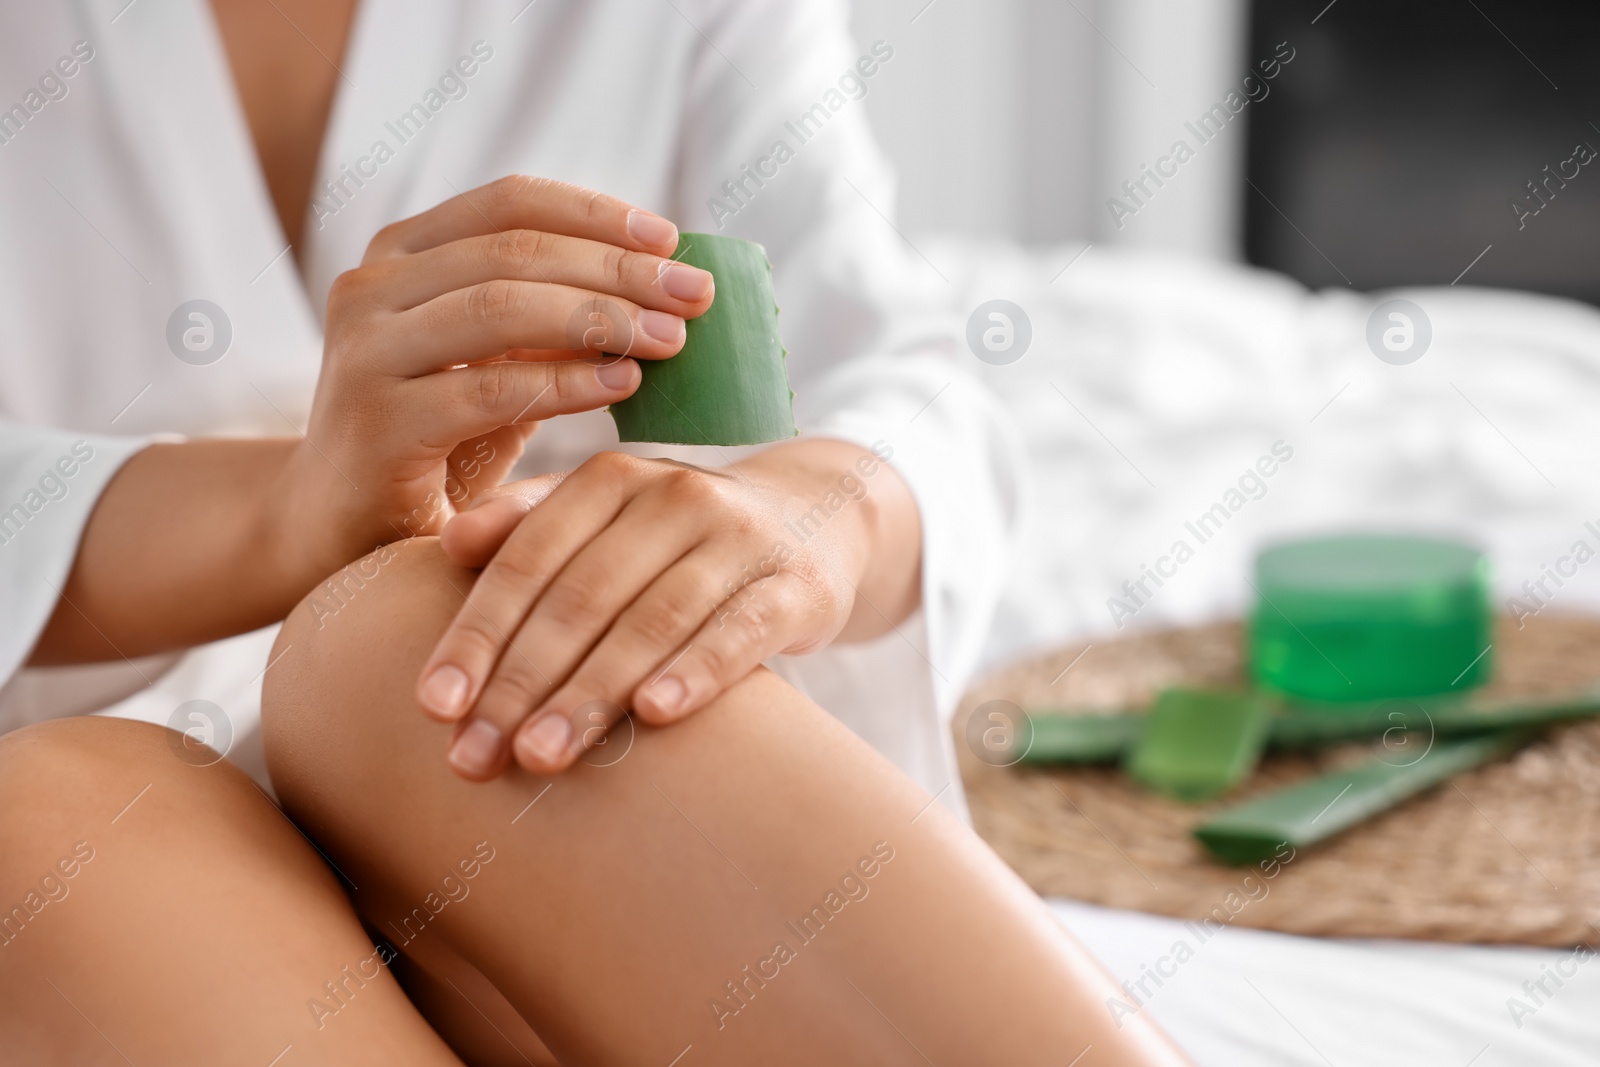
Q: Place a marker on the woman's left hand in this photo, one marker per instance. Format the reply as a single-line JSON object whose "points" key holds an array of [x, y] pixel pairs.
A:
{"points": [[654, 585]]}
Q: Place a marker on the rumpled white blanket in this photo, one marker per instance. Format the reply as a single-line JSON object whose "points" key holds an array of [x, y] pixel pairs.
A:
{"points": [[1154, 382]]}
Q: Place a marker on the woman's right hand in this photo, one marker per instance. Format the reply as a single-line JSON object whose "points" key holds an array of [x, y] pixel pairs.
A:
{"points": [[462, 328]]}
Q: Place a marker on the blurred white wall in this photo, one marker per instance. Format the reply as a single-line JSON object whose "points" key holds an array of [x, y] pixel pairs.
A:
{"points": [[1020, 118]]}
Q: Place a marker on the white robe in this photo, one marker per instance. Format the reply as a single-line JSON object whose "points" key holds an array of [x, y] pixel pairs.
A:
{"points": [[131, 186]]}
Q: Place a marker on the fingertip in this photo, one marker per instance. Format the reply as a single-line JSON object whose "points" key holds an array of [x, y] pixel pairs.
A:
{"points": [[462, 541], [652, 231], [709, 299], [648, 713], [544, 744], [620, 375], [443, 693], [690, 284], [450, 539], [472, 537], [477, 752], [663, 701], [665, 329]]}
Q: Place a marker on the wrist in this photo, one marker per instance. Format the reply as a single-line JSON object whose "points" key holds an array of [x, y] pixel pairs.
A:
{"points": [[301, 528], [822, 496], [859, 504]]}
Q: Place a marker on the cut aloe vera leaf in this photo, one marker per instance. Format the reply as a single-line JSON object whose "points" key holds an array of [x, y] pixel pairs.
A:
{"points": [[1197, 743], [1068, 737], [1311, 811], [728, 385], [1081, 738], [1302, 726]]}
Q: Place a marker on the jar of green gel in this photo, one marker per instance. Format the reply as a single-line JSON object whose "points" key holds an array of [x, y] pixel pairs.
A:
{"points": [[1370, 616]]}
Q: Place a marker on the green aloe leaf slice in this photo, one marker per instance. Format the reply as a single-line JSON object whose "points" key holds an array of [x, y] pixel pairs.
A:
{"points": [[1197, 743], [1311, 811], [728, 385], [1065, 737]]}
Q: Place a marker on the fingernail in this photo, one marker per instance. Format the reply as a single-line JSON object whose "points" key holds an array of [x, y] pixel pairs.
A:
{"points": [[546, 741], [650, 229], [615, 373], [444, 691], [667, 694], [683, 282], [476, 749], [661, 326]]}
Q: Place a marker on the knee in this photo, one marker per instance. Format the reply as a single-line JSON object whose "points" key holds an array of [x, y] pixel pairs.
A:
{"points": [[337, 705], [69, 763], [75, 778]]}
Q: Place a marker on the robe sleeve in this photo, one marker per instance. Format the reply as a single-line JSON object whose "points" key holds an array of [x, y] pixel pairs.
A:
{"points": [[50, 481], [776, 148]]}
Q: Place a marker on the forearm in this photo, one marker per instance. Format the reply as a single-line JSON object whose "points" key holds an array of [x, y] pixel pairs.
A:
{"points": [[189, 543], [865, 510]]}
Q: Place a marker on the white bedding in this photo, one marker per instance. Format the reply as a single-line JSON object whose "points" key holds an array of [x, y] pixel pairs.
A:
{"points": [[1249, 998], [1191, 370]]}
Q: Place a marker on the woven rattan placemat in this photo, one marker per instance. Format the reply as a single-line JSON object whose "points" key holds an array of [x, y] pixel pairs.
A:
{"points": [[1509, 852]]}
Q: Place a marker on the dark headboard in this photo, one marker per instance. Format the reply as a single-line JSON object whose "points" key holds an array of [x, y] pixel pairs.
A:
{"points": [[1393, 147]]}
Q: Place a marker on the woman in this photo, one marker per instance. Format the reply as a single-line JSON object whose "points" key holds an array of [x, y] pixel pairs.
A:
{"points": [[233, 167], [611, 932]]}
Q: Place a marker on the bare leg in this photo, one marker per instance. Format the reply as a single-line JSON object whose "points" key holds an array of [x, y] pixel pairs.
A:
{"points": [[751, 885], [159, 912]]}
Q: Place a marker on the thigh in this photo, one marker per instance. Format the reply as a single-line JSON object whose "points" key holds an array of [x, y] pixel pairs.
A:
{"points": [[156, 911]]}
